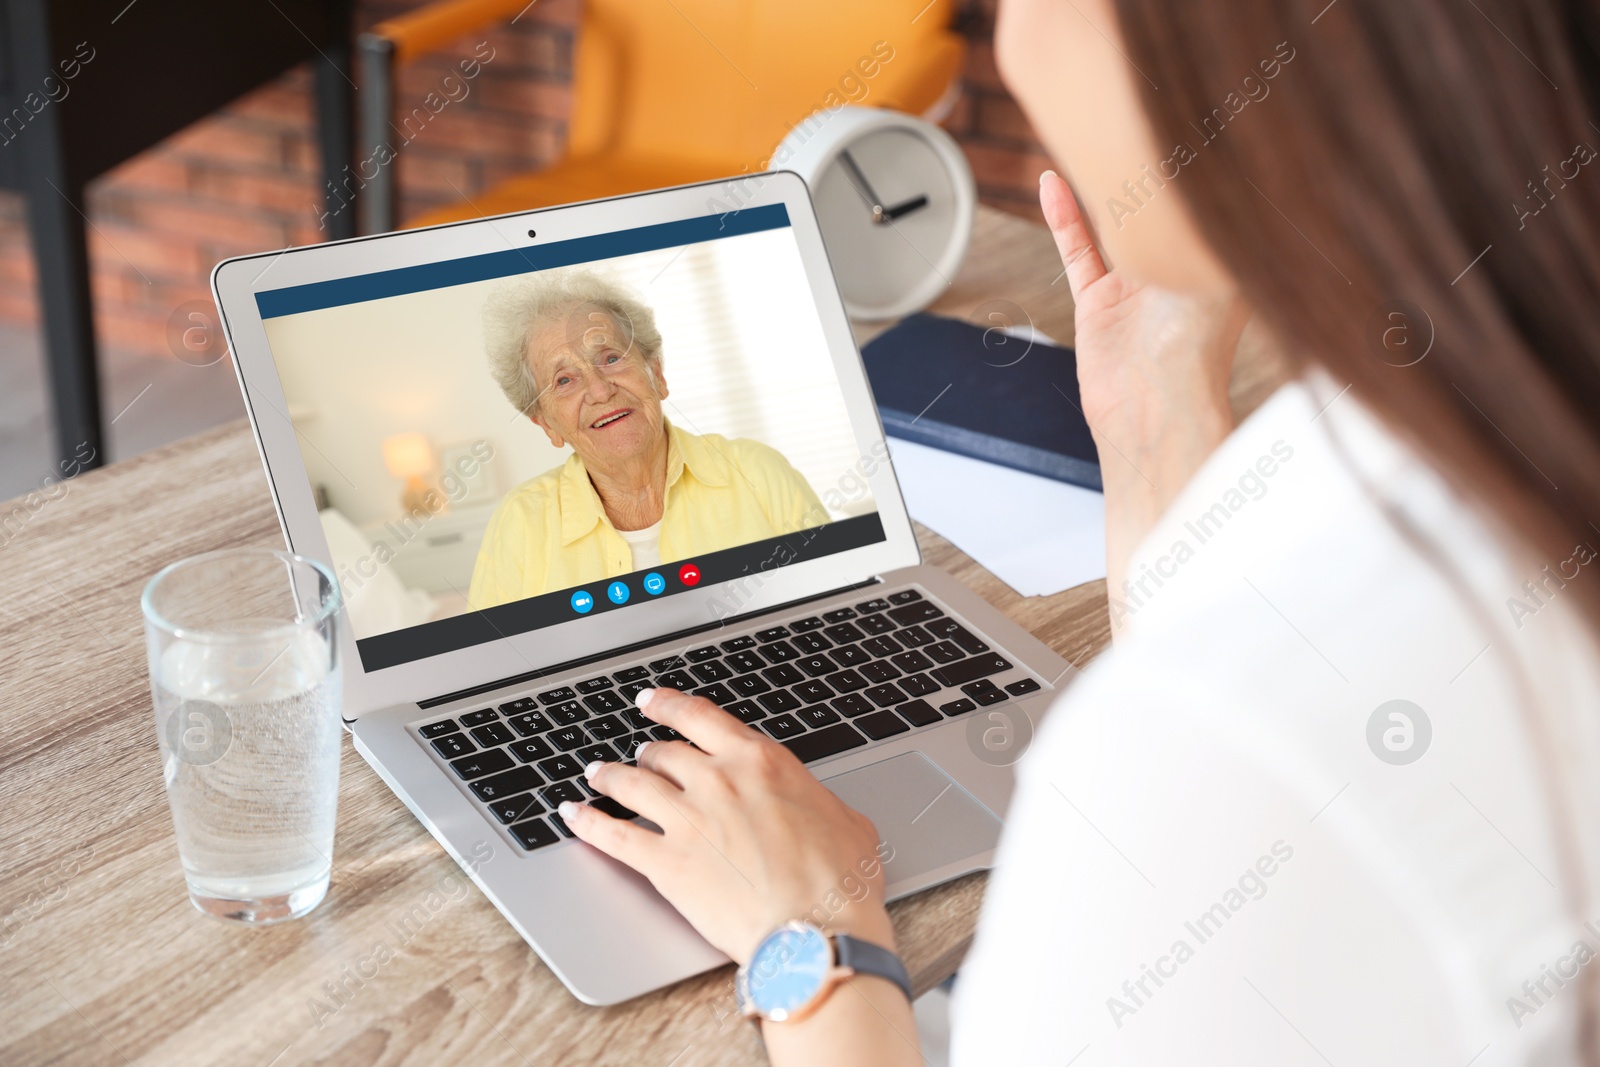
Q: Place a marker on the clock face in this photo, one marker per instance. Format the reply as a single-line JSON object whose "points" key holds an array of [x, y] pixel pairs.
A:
{"points": [[888, 210]]}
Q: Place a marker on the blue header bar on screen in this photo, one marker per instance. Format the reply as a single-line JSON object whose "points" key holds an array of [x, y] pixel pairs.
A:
{"points": [[337, 291]]}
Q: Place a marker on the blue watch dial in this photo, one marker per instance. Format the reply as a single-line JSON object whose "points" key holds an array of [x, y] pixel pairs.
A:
{"points": [[788, 970]]}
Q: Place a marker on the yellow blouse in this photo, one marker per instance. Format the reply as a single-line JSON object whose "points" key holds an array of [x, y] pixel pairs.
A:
{"points": [[551, 532]]}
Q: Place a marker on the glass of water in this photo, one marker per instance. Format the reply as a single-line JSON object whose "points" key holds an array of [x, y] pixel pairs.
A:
{"points": [[244, 669]]}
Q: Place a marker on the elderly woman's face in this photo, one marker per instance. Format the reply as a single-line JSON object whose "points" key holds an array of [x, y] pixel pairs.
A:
{"points": [[596, 390]]}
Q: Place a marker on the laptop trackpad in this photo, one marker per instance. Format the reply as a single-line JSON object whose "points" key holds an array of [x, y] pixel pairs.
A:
{"points": [[920, 812]]}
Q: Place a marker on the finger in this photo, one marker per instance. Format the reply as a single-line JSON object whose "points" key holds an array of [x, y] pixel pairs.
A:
{"points": [[639, 788], [696, 718], [1079, 256], [623, 841], [675, 761]]}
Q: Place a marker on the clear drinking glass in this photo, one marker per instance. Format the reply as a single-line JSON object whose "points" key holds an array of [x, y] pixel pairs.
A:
{"points": [[244, 669]]}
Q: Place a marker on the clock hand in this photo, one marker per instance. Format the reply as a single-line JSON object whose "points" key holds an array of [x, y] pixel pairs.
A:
{"points": [[914, 204], [862, 186]]}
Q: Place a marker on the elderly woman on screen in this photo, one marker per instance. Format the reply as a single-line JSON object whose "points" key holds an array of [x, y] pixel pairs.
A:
{"points": [[580, 356]]}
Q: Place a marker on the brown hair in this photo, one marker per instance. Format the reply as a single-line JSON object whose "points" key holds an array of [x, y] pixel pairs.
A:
{"points": [[1353, 160]]}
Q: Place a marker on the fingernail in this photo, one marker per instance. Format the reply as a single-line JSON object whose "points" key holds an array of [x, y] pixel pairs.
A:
{"points": [[567, 809], [639, 752], [643, 697], [593, 769], [1046, 174]]}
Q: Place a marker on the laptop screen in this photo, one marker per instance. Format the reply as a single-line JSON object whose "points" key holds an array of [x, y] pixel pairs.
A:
{"points": [[514, 440]]}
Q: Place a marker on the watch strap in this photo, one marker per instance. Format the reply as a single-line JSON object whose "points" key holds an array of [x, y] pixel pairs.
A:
{"points": [[864, 957]]}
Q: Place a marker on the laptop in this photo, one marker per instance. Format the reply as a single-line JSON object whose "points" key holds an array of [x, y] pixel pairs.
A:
{"points": [[497, 626]]}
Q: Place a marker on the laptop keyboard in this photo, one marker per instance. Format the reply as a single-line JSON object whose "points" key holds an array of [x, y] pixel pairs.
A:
{"points": [[819, 684]]}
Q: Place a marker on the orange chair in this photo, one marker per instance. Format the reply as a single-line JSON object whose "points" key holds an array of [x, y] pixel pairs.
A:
{"points": [[673, 91]]}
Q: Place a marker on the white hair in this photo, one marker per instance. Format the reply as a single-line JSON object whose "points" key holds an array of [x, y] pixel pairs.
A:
{"points": [[515, 310]]}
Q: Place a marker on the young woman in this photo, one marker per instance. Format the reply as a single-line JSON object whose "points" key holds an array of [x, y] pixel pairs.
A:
{"points": [[1333, 795]]}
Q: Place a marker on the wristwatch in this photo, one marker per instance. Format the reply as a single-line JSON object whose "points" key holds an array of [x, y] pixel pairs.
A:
{"points": [[796, 966]]}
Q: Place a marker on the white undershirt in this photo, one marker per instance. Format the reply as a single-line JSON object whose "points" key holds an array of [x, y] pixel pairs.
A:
{"points": [[645, 545], [1229, 729]]}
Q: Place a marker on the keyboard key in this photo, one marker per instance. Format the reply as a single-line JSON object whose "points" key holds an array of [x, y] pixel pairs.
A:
{"points": [[839, 615], [452, 745], [869, 606], [530, 723], [700, 655], [984, 692], [817, 716], [534, 834], [1022, 686], [852, 705], [914, 637], [921, 611], [748, 685], [745, 662], [517, 808], [630, 690], [875, 624], [812, 691], [635, 719], [670, 663], [851, 656], [631, 674], [438, 729], [604, 702], [567, 713], [954, 631], [518, 706], [558, 822], [778, 701], [881, 646], [772, 634], [919, 685], [665, 733], [589, 753], [882, 724], [554, 794], [506, 784], [779, 652], [531, 749], [943, 652], [746, 711], [735, 644], [783, 674], [557, 696], [820, 744], [904, 596], [560, 767], [607, 728], [911, 662], [714, 671], [918, 713], [612, 808], [879, 671], [970, 670], [678, 680], [783, 727], [817, 665], [717, 693], [628, 747], [568, 738], [810, 622], [885, 695], [846, 681], [478, 718], [811, 643], [958, 707], [843, 634], [481, 763], [495, 733], [593, 685]]}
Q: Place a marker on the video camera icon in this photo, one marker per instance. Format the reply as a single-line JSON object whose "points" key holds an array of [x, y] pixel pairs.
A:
{"points": [[582, 601]]}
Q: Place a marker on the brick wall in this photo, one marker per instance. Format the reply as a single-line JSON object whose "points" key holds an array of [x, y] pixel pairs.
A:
{"points": [[246, 179]]}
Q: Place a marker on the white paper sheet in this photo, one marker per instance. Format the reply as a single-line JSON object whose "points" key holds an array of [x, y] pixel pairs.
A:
{"points": [[1037, 535]]}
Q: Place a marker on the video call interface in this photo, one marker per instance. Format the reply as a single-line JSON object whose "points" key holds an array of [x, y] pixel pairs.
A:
{"points": [[518, 439]]}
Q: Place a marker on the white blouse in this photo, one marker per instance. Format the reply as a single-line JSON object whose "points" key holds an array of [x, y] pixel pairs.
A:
{"points": [[1230, 845]]}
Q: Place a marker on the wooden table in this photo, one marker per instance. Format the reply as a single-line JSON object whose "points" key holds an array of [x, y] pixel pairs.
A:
{"points": [[104, 961]]}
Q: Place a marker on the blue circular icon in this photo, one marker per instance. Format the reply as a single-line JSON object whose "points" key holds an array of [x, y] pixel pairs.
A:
{"points": [[654, 583], [618, 592], [582, 601]]}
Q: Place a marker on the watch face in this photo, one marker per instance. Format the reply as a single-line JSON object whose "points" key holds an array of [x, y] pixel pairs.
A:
{"points": [[788, 970]]}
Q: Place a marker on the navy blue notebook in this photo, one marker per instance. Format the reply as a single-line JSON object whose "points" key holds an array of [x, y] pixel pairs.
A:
{"points": [[985, 394]]}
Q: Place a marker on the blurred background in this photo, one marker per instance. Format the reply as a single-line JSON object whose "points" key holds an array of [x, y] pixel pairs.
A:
{"points": [[247, 177]]}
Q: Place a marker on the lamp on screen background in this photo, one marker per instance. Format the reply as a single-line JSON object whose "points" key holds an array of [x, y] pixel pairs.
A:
{"points": [[411, 458]]}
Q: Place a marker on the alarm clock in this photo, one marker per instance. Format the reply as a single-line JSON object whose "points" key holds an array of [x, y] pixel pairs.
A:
{"points": [[895, 200]]}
